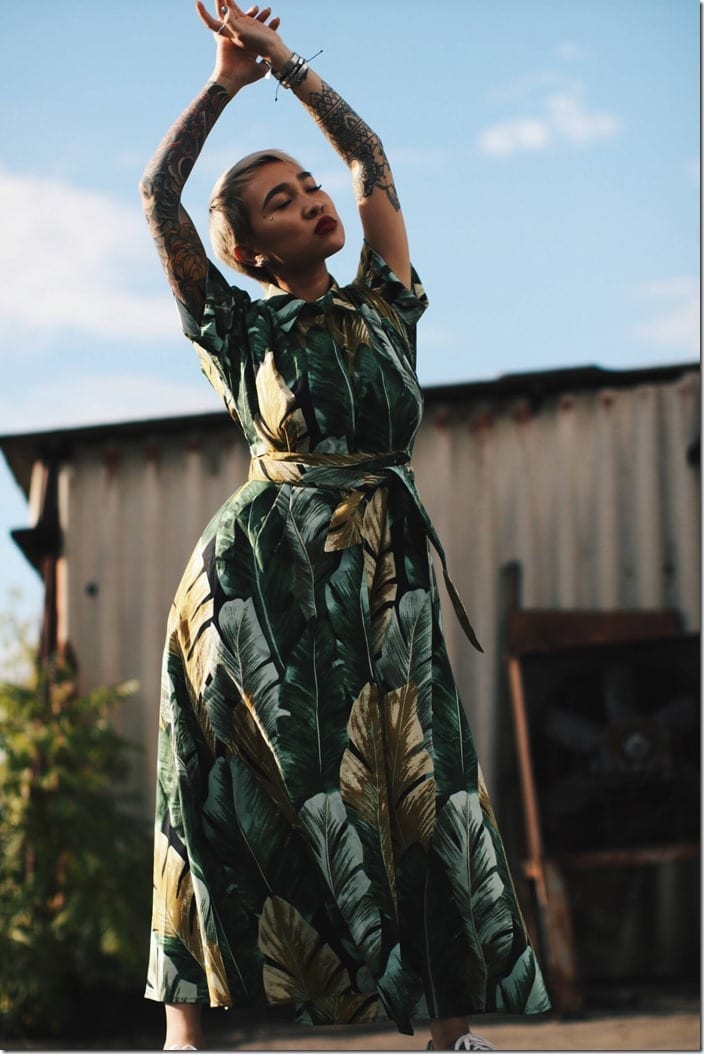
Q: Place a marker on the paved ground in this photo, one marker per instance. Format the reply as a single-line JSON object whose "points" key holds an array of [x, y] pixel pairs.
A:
{"points": [[678, 1030], [625, 1019]]}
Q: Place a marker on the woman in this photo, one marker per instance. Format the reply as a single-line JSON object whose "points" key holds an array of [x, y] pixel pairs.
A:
{"points": [[323, 835]]}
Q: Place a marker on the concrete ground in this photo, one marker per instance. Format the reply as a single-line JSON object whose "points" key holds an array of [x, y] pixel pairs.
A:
{"points": [[679, 1032], [658, 1022]]}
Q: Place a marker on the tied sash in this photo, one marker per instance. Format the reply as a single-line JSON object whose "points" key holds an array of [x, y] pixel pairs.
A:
{"points": [[357, 476]]}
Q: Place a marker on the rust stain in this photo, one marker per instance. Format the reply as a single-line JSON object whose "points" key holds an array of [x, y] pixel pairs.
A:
{"points": [[112, 459]]}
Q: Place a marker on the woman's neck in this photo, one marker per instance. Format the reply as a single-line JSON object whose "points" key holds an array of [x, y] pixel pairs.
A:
{"points": [[305, 285]]}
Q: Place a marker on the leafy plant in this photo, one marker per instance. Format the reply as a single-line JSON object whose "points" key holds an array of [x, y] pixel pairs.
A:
{"points": [[74, 858]]}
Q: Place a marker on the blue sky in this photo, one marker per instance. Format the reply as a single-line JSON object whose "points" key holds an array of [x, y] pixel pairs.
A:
{"points": [[546, 153]]}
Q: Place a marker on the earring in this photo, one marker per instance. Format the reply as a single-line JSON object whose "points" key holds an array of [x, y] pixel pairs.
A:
{"points": [[261, 261]]}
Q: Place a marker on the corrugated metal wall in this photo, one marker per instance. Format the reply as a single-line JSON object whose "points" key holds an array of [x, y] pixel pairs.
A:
{"points": [[590, 491]]}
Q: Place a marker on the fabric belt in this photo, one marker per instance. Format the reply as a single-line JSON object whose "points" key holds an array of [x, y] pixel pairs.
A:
{"points": [[358, 475]]}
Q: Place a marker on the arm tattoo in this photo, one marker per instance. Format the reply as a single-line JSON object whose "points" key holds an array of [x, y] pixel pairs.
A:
{"points": [[178, 244], [355, 142]]}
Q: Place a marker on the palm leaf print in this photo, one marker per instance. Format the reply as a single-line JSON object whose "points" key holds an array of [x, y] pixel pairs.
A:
{"points": [[312, 732], [304, 324], [363, 778], [279, 423], [389, 338], [523, 987], [432, 937], [453, 750], [245, 537], [349, 332], [394, 991], [379, 565], [305, 516], [485, 800], [260, 851], [406, 656], [299, 966], [465, 845], [246, 658], [335, 400], [174, 907], [192, 621], [213, 371], [254, 749], [338, 850], [349, 622], [241, 696], [177, 914], [409, 768], [346, 522]]}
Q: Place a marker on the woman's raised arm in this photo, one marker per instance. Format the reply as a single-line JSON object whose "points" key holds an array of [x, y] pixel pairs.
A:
{"points": [[362, 150], [177, 241]]}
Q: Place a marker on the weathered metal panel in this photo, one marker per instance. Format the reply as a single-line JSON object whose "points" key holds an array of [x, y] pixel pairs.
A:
{"points": [[591, 491]]}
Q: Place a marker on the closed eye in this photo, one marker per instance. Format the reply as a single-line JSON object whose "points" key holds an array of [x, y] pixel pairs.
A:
{"points": [[285, 202]]}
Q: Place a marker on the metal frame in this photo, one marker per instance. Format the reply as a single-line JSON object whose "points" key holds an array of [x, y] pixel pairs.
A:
{"points": [[528, 632]]}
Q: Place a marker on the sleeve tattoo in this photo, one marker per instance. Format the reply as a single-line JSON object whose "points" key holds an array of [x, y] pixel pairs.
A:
{"points": [[355, 141], [177, 241]]}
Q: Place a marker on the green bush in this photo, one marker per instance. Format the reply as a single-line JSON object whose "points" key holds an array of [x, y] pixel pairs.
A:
{"points": [[74, 859]]}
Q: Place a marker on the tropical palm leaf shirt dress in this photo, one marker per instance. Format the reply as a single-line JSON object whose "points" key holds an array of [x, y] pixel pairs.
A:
{"points": [[323, 832]]}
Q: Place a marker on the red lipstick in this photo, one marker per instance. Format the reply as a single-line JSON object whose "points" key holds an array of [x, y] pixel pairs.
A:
{"points": [[325, 224]]}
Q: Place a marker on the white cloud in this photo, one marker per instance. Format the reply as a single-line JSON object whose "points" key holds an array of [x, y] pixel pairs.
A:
{"points": [[91, 399], [508, 137], [74, 260], [674, 303], [573, 121], [565, 118], [530, 88]]}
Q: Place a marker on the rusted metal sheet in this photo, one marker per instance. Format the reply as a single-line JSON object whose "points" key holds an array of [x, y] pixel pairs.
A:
{"points": [[591, 492]]}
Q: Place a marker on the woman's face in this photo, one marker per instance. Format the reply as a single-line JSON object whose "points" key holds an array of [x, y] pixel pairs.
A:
{"points": [[294, 222]]}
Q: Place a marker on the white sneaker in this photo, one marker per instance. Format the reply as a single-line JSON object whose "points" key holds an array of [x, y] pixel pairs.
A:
{"points": [[469, 1041], [473, 1041]]}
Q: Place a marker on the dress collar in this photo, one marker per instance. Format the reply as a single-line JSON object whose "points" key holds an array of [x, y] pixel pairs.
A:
{"points": [[287, 307], [271, 290]]}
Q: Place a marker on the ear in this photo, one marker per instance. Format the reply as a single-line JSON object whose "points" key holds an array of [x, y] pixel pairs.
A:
{"points": [[245, 255]]}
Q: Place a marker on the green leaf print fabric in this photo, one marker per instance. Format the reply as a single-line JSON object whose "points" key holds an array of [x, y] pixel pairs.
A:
{"points": [[323, 833]]}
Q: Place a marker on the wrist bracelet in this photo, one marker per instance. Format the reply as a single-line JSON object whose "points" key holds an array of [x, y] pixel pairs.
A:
{"points": [[292, 73]]}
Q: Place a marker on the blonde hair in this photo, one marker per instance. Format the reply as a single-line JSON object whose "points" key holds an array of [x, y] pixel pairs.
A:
{"points": [[229, 219]]}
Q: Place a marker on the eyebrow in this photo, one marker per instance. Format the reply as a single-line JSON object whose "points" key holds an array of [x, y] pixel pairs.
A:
{"points": [[300, 176]]}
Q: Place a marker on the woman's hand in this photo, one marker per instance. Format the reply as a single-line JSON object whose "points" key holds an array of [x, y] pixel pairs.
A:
{"points": [[243, 38]]}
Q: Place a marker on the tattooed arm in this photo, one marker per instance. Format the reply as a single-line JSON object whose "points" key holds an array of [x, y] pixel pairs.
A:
{"points": [[178, 244], [361, 149], [177, 241]]}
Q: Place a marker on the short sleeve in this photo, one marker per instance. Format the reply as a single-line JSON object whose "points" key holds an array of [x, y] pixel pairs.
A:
{"points": [[221, 335], [376, 274]]}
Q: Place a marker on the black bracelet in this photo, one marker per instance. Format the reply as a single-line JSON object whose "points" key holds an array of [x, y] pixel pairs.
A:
{"points": [[292, 73]]}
